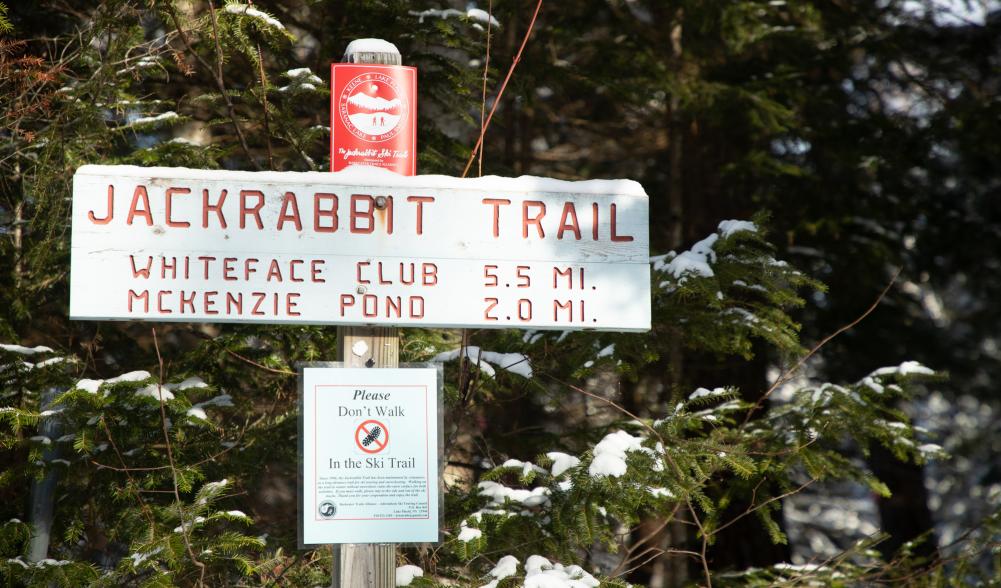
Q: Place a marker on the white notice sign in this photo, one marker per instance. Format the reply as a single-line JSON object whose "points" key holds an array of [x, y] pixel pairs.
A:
{"points": [[360, 246], [369, 455]]}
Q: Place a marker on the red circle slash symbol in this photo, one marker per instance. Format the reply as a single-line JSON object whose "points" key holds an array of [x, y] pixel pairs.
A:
{"points": [[371, 436]]}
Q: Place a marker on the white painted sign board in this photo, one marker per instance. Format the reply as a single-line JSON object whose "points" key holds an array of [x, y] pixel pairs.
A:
{"points": [[369, 455], [363, 246]]}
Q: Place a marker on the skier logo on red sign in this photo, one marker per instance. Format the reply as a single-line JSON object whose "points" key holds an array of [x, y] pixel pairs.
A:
{"points": [[373, 118], [371, 107]]}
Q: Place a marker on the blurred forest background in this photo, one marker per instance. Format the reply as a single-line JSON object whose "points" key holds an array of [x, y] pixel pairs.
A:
{"points": [[863, 139]]}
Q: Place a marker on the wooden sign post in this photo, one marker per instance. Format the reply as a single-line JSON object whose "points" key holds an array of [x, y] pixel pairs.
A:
{"points": [[375, 347], [366, 565]]}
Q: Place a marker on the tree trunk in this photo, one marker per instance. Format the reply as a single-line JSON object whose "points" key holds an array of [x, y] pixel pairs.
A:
{"points": [[43, 491], [905, 514]]}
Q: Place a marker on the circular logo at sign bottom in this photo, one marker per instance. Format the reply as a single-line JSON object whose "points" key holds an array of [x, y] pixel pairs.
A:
{"points": [[327, 509]]}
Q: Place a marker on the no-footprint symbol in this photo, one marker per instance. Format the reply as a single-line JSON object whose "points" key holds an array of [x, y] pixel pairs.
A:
{"points": [[372, 436]]}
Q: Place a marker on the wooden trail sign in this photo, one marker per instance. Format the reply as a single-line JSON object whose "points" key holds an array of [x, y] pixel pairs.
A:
{"points": [[359, 247]]}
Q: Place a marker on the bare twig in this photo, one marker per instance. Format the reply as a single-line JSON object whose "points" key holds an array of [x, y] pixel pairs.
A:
{"points": [[880, 575], [285, 568], [667, 456], [705, 544], [263, 367], [467, 386], [132, 482], [220, 81], [216, 74], [630, 556], [787, 375], [486, 71], [655, 551], [264, 99], [125, 468], [185, 530], [610, 403], [758, 507], [500, 93]]}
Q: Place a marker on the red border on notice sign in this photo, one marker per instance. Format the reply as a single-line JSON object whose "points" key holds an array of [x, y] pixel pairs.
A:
{"points": [[427, 452], [387, 94]]}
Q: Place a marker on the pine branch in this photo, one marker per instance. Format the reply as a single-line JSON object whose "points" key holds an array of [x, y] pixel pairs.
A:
{"points": [[132, 483], [264, 99], [208, 459], [185, 528], [216, 75]]}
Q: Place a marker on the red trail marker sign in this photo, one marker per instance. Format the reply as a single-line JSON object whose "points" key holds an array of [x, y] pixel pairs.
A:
{"points": [[373, 111]]}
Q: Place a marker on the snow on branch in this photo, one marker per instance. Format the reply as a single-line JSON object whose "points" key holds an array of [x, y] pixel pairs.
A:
{"points": [[406, 574], [906, 368], [698, 260], [22, 350], [477, 15], [610, 454], [516, 363], [160, 118], [729, 227], [267, 19], [303, 79], [541, 573]]}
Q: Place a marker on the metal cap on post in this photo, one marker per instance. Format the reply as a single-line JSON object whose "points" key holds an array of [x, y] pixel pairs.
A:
{"points": [[361, 565], [372, 51]]}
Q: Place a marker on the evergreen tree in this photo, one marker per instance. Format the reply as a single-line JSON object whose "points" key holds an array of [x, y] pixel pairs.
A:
{"points": [[167, 452]]}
